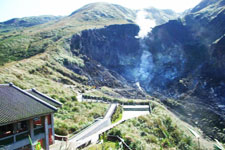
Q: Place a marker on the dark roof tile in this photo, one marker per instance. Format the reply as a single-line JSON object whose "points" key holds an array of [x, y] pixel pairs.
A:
{"points": [[44, 98], [17, 104]]}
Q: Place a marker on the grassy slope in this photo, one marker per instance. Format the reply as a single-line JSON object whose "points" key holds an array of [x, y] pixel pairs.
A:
{"points": [[51, 78], [104, 146], [160, 130], [20, 44], [44, 49]]}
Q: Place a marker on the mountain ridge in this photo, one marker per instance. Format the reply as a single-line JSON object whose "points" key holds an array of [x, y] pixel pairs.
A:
{"points": [[69, 55], [182, 63], [24, 22]]}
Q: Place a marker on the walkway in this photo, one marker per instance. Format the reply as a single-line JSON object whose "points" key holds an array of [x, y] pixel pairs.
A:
{"points": [[91, 134], [132, 111], [100, 124], [126, 115]]}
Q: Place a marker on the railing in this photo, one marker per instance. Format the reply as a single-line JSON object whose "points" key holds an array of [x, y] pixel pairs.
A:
{"points": [[136, 109], [22, 135], [61, 138], [77, 133], [107, 100], [38, 130], [6, 140], [19, 136], [115, 137], [13, 138]]}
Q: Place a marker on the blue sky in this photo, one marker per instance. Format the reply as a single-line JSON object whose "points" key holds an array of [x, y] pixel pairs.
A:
{"points": [[23, 8]]}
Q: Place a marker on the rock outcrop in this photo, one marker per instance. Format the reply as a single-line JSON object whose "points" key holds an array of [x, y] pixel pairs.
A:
{"points": [[115, 47], [182, 59]]}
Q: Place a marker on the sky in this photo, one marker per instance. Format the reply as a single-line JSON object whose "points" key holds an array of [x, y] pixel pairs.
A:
{"points": [[24, 8]]}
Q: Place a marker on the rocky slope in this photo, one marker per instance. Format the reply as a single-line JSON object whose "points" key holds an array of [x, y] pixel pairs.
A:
{"points": [[182, 60], [114, 46], [188, 65]]}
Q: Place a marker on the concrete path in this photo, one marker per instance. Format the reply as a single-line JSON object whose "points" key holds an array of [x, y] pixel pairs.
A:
{"points": [[132, 111], [79, 97], [100, 124], [92, 133]]}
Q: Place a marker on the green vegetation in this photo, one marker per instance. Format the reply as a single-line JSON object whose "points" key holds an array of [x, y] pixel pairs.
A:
{"points": [[19, 46], [51, 78], [48, 51], [17, 42], [37, 57], [104, 97], [119, 118], [117, 115], [74, 116], [20, 23], [172, 103], [155, 131], [104, 146]]}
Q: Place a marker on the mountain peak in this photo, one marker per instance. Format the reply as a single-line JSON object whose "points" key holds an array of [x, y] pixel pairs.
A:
{"points": [[101, 10], [207, 4]]}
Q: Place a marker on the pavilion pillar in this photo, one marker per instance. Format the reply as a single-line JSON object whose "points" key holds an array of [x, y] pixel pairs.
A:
{"points": [[46, 139], [31, 127], [14, 132], [53, 129]]}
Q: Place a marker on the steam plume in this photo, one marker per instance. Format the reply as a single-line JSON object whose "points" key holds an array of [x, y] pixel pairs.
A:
{"points": [[145, 24]]}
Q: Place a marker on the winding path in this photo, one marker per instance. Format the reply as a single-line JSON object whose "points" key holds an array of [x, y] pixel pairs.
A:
{"points": [[91, 134]]}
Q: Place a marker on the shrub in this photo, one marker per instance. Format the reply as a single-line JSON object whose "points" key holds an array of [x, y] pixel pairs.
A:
{"points": [[95, 115], [73, 128], [143, 134], [151, 139], [62, 100], [142, 119], [168, 122], [76, 109], [176, 135], [117, 113], [61, 128], [166, 143], [61, 131], [54, 97], [183, 146], [115, 131], [74, 98]]}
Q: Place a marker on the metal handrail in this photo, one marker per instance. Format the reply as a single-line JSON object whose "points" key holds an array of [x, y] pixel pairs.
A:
{"points": [[122, 140], [21, 133], [38, 127], [85, 128], [13, 135], [7, 137]]}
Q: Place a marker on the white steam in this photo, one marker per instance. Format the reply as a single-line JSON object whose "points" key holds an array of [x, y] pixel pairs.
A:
{"points": [[146, 64], [144, 72], [145, 24]]}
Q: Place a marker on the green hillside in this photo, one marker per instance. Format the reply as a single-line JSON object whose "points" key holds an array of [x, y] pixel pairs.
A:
{"points": [[35, 56], [44, 55]]}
